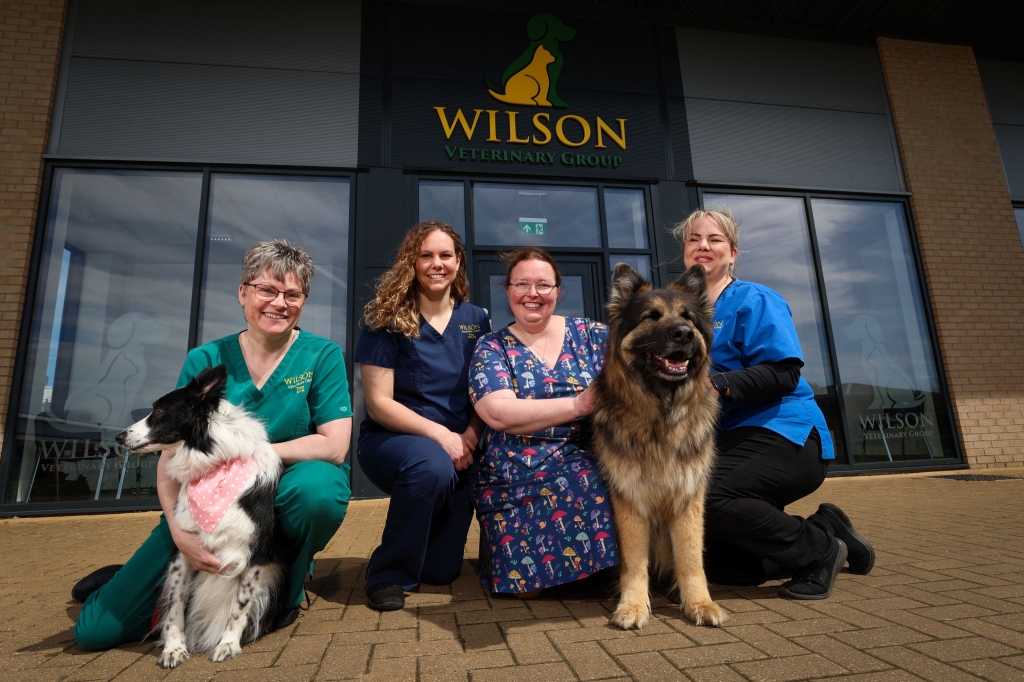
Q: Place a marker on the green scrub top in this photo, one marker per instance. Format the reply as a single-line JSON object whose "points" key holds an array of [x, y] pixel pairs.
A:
{"points": [[309, 387]]}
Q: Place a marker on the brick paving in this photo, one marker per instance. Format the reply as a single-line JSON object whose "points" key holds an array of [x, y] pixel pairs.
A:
{"points": [[944, 602]]}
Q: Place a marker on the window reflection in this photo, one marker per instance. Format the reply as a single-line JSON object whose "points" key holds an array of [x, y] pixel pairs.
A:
{"points": [[111, 331], [895, 410], [775, 251], [445, 202], [537, 215], [642, 264], [627, 220], [310, 212]]}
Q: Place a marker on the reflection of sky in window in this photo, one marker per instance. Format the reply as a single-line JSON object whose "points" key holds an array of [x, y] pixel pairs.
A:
{"points": [[309, 211], [58, 318], [873, 294], [775, 251], [1019, 215], [571, 213], [627, 221], [444, 202]]}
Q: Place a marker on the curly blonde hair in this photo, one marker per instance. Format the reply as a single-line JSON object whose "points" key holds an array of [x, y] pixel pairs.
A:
{"points": [[396, 306]]}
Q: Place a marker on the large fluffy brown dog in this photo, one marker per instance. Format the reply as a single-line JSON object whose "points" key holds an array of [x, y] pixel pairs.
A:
{"points": [[654, 421]]}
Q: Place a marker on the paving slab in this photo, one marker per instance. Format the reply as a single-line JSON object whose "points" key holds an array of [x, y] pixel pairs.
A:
{"points": [[944, 602]]}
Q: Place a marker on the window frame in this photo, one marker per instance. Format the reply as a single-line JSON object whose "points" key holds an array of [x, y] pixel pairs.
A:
{"points": [[850, 466], [30, 325]]}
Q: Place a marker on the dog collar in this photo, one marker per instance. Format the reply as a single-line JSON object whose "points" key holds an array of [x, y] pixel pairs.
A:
{"points": [[210, 495]]}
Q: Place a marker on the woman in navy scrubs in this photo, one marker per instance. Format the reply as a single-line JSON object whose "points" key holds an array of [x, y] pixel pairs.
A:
{"points": [[773, 443], [418, 438]]}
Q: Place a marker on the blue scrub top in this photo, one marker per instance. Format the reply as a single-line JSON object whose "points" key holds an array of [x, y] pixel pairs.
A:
{"points": [[753, 325], [431, 372]]}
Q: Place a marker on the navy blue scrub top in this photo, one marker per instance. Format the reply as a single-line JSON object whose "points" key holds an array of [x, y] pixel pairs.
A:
{"points": [[754, 325], [431, 372]]}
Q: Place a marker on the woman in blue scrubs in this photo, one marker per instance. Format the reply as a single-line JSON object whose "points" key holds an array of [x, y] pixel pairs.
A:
{"points": [[418, 438], [773, 443]]}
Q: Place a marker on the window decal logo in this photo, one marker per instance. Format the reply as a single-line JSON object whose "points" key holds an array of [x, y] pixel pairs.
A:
{"points": [[532, 79]]}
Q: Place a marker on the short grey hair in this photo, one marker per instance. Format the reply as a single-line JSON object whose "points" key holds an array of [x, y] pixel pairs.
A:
{"points": [[280, 257]]}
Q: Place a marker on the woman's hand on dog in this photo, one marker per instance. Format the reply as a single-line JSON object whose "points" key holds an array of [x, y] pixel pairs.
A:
{"points": [[584, 402], [188, 544]]}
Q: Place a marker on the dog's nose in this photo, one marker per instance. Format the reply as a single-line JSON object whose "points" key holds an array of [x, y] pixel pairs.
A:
{"points": [[120, 437], [681, 333]]}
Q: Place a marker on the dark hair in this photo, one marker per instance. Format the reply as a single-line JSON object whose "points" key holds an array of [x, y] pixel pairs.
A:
{"points": [[513, 258]]}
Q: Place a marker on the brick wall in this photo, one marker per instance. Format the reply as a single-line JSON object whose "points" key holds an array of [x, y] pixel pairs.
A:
{"points": [[30, 40], [970, 246]]}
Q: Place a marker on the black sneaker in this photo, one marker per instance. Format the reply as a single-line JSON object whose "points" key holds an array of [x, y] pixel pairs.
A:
{"points": [[385, 597], [816, 581], [94, 581], [861, 554]]}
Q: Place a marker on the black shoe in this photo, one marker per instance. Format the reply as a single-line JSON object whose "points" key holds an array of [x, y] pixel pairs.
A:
{"points": [[94, 581], [386, 597], [862, 554], [816, 581], [284, 618]]}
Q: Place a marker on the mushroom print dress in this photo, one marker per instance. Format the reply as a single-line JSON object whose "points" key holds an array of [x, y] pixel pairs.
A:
{"points": [[544, 514]]}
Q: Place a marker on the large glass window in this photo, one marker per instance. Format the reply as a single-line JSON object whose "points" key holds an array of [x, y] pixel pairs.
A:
{"points": [[310, 212], [889, 406], [115, 309], [895, 409], [539, 215], [775, 251], [626, 218], [110, 331], [444, 201]]}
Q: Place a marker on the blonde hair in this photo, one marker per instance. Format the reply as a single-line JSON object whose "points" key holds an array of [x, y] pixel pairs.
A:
{"points": [[280, 257], [396, 305], [723, 216]]}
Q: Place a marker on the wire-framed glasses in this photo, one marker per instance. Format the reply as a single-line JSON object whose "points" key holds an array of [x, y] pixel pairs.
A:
{"points": [[543, 288], [269, 293]]}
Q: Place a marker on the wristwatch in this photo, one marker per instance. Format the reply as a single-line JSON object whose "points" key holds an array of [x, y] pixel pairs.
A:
{"points": [[720, 383]]}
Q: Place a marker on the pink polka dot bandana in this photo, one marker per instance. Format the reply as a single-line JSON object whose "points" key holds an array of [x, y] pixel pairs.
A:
{"points": [[210, 496]]}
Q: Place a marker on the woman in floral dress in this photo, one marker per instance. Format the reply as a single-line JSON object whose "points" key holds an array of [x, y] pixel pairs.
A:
{"points": [[544, 514]]}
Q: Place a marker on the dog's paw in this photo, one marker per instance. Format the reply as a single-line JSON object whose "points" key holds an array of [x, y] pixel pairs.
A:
{"points": [[172, 657], [224, 651], [631, 616], [704, 613]]}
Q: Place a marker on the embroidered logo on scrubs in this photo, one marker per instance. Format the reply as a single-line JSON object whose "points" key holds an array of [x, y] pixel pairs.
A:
{"points": [[470, 330], [210, 496], [299, 383], [717, 324]]}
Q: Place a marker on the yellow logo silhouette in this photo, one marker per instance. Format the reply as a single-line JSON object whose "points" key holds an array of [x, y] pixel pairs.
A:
{"points": [[530, 86], [532, 79]]}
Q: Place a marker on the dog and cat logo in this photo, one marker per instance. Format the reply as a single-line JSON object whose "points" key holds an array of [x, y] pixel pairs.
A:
{"points": [[532, 79]]}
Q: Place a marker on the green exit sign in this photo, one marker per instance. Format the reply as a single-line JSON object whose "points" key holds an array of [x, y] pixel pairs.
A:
{"points": [[533, 225]]}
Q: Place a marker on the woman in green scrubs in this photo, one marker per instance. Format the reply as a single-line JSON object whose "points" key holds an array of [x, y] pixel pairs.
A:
{"points": [[295, 383]]}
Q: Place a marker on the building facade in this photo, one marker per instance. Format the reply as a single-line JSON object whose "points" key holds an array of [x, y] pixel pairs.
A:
{"points": [[874, 164]]}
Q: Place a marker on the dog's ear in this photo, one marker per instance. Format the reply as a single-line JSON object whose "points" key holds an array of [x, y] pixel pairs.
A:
{"points": [[209, 385], [626, 283], [695, 281]]}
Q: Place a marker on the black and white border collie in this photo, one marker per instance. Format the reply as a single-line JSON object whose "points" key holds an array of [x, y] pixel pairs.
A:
{"points": [[208, 436]]}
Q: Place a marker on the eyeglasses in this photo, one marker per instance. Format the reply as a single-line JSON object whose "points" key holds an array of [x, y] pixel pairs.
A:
{"points": [[543, 288], [267, 293]]}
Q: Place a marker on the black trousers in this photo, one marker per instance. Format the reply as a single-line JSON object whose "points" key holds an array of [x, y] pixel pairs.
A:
{"points": [[758, 473]]}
